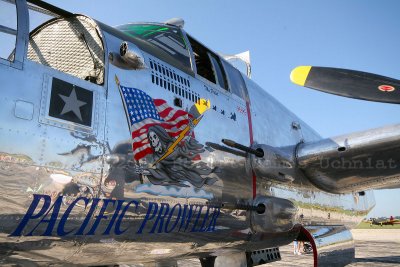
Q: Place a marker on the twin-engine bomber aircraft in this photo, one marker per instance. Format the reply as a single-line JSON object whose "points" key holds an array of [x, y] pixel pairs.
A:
{"points": [[138, 144]]}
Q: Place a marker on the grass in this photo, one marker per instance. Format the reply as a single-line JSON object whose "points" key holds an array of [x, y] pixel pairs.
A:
{"points": [[366, 225]]}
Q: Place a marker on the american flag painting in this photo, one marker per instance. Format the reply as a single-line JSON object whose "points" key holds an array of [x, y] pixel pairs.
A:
{"points": [[144, 112]]}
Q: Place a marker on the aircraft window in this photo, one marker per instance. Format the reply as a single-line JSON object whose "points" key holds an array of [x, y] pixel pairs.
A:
{"points": [[38, 16], [169, 39], [8, 29], [72, 45], [221, 78], [208, 64], [203, 63], [235, 79]]}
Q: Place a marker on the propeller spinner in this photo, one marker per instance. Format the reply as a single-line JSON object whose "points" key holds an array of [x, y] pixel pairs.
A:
{"points": [[348, 83]]}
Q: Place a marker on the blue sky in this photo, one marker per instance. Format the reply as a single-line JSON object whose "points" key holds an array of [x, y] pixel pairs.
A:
{"points": [[358, 34]]}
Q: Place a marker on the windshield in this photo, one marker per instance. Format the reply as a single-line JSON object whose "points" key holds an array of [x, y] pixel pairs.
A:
{"points": [[167, 38]]}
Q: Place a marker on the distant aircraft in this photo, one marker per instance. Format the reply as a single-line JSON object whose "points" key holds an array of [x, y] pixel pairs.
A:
{"points": [[392, 221], [138, 144]]}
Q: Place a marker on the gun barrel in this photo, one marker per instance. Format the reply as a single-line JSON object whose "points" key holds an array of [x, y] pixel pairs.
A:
{"points": [[258, 153]]}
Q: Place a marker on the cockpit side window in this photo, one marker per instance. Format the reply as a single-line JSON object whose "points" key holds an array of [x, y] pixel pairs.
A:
{"points": [[165, 37], [38, 16], [203, 62], [8, 29], [208, 64], [218, 71], [235, 80]]}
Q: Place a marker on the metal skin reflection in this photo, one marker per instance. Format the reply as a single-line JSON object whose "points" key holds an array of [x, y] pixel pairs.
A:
{"points": [[76, 193]]}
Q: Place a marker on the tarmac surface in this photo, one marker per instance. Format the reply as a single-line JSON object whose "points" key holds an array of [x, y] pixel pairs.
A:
{"points": [[374, 247]]}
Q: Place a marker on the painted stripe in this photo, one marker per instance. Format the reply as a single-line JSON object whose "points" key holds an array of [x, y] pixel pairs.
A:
{"points": [[143, 153], [254, 177], [250, 123], [141, 148], [169, 115], [313, 245], [170, 128], [176, 126], [159, 102]]}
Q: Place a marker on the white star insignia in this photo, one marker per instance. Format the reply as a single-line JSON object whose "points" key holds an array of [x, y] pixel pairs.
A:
{"points": [[72, 104]]}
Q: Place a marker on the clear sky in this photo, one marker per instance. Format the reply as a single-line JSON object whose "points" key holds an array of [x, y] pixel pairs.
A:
{"points": [[359, 34]]}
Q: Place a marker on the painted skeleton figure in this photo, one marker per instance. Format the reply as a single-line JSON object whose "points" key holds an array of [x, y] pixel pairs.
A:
{"points": [[179, 166], [155, 142]]}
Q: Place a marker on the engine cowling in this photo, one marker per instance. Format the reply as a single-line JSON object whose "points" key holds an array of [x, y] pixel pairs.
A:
{"points": [[274, 215], [276, 164]]}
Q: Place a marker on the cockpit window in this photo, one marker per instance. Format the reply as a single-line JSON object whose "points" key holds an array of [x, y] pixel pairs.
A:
{"points": [[8, 29], [208, 64], [218, 72], [169, 39], [235, 80]]}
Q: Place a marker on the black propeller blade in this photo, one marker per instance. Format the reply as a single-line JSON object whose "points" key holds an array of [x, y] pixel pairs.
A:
{"points": [[348, 83]]}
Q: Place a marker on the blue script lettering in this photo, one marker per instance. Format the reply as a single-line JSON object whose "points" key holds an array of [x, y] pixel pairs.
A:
{"points": [[171, 213], [148, 216], [117, 229], [29, 214], [64, 218], [113, 217]]}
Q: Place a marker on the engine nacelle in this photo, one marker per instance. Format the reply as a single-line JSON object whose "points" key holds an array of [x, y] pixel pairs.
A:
{"points": [[274, 215], [276, 164]]}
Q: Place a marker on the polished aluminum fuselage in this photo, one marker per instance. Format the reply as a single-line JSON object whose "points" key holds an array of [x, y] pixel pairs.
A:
{"points": [[39, 155]]}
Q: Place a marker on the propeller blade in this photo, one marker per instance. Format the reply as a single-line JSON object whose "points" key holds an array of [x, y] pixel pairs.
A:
{"points": [[348, 83]]}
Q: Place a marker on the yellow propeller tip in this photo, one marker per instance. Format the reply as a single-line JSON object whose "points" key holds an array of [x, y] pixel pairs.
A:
{"points": [[299, 75]]}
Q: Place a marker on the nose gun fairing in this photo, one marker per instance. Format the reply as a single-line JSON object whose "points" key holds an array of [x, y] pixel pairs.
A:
{"points": [[127, 59], [276, 164], [278, 215]]}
